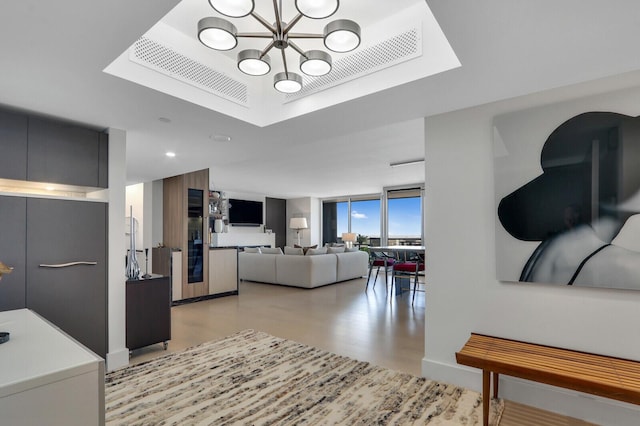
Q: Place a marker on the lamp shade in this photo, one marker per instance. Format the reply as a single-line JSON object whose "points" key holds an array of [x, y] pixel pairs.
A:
{"points": [[342, 35], [317, 9], [251, 62], [298, 223], [315, 63], [233, 8], [287, 82], [349, 237], [217, 33]]}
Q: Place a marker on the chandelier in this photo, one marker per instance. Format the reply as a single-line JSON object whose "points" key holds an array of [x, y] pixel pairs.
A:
{"points": [[339, 36]]}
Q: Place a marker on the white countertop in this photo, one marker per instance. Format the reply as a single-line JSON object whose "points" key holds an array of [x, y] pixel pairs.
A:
{"points": [[38, 353]]}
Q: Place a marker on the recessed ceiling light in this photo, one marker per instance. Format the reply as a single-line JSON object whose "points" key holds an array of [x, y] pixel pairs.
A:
{"points": [[220, 138], [170, 154]]}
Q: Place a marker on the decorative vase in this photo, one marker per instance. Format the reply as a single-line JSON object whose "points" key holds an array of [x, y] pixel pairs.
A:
{"points": [[133, 268], [218, 225]]}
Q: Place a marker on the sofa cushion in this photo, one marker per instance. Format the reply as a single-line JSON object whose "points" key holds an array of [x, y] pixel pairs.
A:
{"points": [[252, 250], [335, 249], [304, 249], [269, 250], [296, 251], [316, 251]]}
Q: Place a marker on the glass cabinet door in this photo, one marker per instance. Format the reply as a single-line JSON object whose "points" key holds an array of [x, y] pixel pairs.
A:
{"points": [[195, 235]]}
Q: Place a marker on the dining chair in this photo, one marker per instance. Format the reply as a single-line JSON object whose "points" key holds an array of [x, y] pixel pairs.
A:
{"points": [[410, 268], [379, 260]]}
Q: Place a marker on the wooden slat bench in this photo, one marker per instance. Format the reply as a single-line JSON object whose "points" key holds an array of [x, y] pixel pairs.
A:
{"points": [[600, 375]]}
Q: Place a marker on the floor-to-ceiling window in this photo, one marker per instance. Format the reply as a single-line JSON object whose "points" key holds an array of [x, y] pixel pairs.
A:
{"points": [[394, 217], [404, 216], [360, 215], [365, 219]]}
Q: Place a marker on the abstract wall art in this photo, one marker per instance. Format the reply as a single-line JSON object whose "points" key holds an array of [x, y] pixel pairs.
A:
{"points": [[568, 198]]}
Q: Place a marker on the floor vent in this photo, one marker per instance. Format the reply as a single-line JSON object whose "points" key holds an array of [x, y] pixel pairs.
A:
{"points": [[392, 51], [169, 62]]}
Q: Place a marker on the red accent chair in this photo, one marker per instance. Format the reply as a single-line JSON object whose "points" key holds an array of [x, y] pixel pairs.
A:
{"points": [[408, 269], [377, 261]]}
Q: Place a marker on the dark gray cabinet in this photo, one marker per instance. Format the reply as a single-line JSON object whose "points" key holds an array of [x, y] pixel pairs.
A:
{"points": [[13, 225], [13, 142], [71, 295], [63, 153], [148, 312]]}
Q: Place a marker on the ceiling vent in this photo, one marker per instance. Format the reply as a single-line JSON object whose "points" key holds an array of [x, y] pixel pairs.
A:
{"points": [[392, 51], [169, 62]]}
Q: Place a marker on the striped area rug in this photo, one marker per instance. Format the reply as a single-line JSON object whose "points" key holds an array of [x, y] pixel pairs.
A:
{"points": [[252, 378]]}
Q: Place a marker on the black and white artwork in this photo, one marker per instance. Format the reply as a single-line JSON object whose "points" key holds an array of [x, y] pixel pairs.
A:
{"points": [[568, 198]]}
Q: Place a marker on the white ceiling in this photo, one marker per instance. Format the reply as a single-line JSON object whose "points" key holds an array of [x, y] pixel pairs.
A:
{"points": [[52, 57]]}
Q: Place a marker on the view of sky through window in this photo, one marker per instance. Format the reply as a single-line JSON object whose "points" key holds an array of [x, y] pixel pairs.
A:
{"points": [[405, 220]]}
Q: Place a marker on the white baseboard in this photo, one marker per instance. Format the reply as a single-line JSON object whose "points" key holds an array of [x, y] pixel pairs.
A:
{"points": [[117, 359], [583, 406]]}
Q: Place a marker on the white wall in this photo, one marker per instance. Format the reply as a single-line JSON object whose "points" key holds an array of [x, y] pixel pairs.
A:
{"points": [[304, 207], [463, 295], [135, 200], [118, 354]]}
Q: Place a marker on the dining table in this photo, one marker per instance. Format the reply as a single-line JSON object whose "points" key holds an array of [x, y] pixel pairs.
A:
{"points": [[400, 252]]}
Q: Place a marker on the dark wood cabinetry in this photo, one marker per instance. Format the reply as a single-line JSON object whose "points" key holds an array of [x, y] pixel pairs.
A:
{"points": [[148, 312], [38, 237], [38, 149], [13, 141], [74, 296], [184, 227], [63, 153], [13, 228]]}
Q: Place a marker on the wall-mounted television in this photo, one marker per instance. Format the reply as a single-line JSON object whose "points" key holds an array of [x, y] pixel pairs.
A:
{"points": [[245, 212]]}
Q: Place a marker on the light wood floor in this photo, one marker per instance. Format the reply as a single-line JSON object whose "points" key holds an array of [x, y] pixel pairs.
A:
{"points": [[342, 318]]}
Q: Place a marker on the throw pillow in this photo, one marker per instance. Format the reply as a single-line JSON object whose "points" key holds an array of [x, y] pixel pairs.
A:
{"points": [[252, 250], [315, 251], [304, 249], [335, 250], [269, 250], [350, 249], [296, 251]]}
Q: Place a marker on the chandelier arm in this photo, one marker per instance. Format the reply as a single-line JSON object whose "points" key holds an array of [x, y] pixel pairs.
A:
{"points": [[292, 23], [297, 49], [263, 22], [254, 35], [305, 35], [267, 49], [284, 61], [278, 17]]}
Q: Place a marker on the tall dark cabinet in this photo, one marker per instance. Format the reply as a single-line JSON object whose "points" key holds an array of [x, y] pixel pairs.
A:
{"points": [[43, 239], [67, 267], [13, 252], [57, 247], [13, 139]]}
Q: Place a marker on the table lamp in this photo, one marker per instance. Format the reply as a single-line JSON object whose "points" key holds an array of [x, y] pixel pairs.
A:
{"points": [[349, 238], [298, 223]]}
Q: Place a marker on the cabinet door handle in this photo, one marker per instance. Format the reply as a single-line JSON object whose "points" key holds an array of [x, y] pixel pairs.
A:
{"points": [[65, 265]]}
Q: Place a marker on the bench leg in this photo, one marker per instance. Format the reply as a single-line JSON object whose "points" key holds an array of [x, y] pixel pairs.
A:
{"points": [[495, 385], [486, 391]]}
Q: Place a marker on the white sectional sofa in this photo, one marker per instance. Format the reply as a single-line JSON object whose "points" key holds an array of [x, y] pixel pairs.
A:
{"points": [[307, 271]]}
